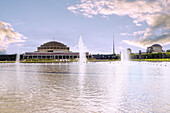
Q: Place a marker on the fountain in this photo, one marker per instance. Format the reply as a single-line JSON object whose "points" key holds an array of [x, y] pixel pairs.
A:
{"points": [[82, 65], [125, 55], [17, 58], [17, 63], [82, 51]]}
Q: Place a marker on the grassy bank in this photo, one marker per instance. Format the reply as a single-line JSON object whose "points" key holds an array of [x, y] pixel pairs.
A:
{"points": [[76, 60], [104, 60], [7, 61], [56, 61], [152, 60]]}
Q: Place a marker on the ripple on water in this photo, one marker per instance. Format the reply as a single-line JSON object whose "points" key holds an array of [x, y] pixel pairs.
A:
{"points": [[101, 88]]}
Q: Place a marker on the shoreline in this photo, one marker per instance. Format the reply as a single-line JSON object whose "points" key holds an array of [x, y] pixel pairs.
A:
{"points": [[152, 60], [89, 60]]}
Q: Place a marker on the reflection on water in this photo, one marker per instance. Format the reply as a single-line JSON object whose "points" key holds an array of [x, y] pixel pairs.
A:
{"points": [[92, 88]]}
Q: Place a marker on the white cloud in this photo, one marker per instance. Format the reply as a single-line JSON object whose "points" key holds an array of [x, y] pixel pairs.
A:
{"points": [[8, 35], [125, 34], [139, 10], [156, 13], [143, 43], [136, 33]]}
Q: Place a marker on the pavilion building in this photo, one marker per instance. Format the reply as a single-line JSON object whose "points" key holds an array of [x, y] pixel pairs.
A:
{"points": [[52, 50]]}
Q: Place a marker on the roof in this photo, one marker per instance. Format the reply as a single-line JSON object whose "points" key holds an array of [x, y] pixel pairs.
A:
{"points": [[157, 45], [53, 43]]}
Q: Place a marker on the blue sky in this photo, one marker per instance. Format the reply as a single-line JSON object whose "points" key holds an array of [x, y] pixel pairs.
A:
{"points": [[134, 24]]}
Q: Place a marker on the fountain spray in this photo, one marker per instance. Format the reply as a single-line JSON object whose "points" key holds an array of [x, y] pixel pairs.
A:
{"points": [[82, 53]]}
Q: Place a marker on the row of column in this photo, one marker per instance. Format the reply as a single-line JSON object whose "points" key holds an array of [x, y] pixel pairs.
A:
{"points": [[50, 57]]}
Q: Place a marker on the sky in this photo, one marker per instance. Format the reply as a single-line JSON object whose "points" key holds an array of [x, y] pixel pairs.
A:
{"points": [[135, 24]]}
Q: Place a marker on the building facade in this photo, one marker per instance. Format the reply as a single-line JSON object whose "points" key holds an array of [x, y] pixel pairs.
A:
{"points": [[104, 56], [52, 50], [52, 55]]}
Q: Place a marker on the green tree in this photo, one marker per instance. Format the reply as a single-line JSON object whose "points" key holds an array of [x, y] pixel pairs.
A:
{"points": [[168, 50]]}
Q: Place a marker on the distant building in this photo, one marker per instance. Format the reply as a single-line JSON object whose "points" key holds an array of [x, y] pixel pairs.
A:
{"points": [[103, 56], [154, 48], [9, 57], [52, 50]]}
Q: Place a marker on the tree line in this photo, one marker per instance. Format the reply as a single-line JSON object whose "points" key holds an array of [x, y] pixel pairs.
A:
{"points": [[161, 55]]}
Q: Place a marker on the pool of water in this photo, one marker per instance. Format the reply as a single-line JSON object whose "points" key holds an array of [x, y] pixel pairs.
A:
{"points": [[103, 87]]}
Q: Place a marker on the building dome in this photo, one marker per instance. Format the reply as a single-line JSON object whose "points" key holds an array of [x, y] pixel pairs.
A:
{"points": [[156, 45], [53, 46], [154, 48]]}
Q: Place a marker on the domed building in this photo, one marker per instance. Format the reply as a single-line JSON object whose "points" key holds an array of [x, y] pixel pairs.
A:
{"points": [[52, 50], [53, 46], [155, 48]]}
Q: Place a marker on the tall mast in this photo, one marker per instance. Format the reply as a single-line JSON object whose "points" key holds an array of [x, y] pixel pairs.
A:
{"points": [[113, 45]]}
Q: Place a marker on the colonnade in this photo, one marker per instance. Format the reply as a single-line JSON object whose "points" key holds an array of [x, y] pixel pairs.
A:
{"points": [[50, 56]]}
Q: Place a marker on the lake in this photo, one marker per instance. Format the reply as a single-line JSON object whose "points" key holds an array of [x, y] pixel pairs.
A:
{"points": [[97, 87]]}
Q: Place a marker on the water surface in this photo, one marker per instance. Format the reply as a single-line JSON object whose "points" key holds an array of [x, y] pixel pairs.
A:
{"points": [[94, 88]]}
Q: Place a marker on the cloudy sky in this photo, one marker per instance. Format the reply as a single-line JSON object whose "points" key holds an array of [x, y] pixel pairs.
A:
{"points": [[135, 24]]}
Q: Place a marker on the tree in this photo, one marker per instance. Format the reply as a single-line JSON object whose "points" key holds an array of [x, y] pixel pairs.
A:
{"points": [[168, 50]]}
